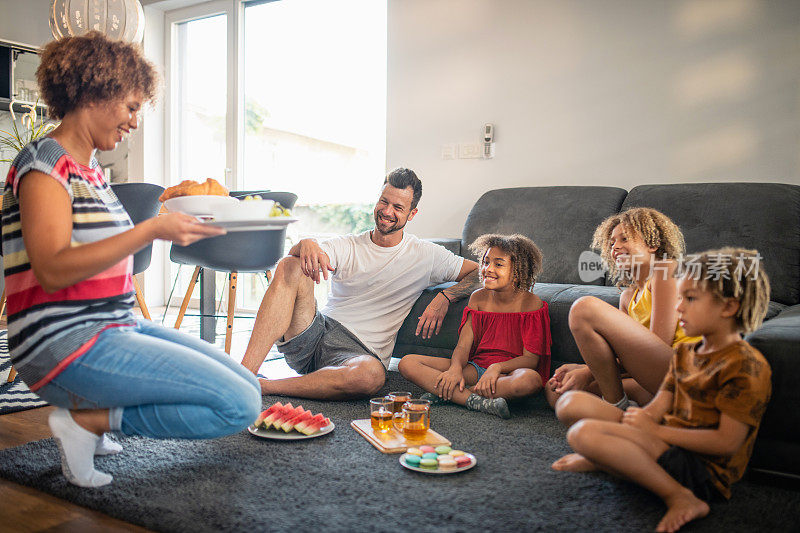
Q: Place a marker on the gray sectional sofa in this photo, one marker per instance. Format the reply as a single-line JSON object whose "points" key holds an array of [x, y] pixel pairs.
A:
{"points": [[561, 220]]}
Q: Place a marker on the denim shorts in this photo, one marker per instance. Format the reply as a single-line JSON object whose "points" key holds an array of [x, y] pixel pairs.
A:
{"points": [[480, 369], [325, 342]]}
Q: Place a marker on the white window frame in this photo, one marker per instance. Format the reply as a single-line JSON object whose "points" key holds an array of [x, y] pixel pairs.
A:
{"points": [[234, 130]]}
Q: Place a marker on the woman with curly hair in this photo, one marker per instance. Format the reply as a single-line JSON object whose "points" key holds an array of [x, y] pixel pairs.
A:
{"points": [[67, 245], [640, 247], [503, 350]]}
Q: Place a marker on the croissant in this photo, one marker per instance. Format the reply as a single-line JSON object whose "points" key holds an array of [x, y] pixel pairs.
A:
{"points": [[193, 188]]}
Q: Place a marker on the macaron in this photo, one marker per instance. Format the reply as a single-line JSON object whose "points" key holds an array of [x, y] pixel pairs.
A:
{"points": [[430, 455], [456, 453], [414, 451], [463, 460], [446, 459], [427, 449], [448, 465], [441, 450], [412, 460], [429, 463]]}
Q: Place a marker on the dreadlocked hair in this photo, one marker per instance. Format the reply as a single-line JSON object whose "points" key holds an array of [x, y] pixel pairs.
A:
{"points": [[526, 257], [655, 228], [732, 273]]}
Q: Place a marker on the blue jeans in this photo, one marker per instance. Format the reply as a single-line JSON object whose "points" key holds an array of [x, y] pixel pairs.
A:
{"points": [[160, 383]]}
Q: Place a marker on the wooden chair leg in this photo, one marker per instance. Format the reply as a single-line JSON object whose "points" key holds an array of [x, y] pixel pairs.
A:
{"points": [[231, 311], [185, 303], [140, 299], [12, 374]]}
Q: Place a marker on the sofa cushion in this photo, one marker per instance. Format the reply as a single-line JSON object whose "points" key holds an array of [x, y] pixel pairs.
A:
{"points": [[561, 220], [764, 216], [559, 298], [779, 341]]}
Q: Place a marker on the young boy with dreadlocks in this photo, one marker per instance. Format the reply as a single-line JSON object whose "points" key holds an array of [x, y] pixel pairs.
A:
{"points": [[503, 349], [695, 438]]}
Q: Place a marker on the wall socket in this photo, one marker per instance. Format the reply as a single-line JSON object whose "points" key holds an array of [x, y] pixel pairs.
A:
{"points": [[449, 151], [470, 151]]}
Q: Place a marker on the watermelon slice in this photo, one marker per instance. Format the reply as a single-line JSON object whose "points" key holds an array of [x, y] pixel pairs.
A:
{"points": [[273, 412], [266, 412], [289, 424], [288, 413], [312, 425], [276, 413]]}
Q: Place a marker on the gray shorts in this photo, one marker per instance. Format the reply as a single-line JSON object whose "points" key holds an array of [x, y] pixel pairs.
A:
{"points": [[325, 342]]}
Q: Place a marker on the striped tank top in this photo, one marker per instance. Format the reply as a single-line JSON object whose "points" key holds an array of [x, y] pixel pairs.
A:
{"points": [[46, 332]]}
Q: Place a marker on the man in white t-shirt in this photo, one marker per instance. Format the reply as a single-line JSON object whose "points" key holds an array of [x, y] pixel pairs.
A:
{"points": [[343, 350]]}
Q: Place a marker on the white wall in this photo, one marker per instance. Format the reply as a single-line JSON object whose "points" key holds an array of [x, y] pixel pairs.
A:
{"points": [[25, 21], [591, 92]]}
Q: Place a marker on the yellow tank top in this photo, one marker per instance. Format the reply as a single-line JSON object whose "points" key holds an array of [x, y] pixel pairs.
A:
{"points": [[641, 309]]}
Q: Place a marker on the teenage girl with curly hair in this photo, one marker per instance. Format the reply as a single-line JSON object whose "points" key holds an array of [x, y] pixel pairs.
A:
{"points": [[503, 349], [640, 247], [67, 246]]}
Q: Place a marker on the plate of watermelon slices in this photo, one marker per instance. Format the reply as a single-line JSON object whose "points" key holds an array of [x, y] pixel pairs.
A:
{"points": [[287, 422]]}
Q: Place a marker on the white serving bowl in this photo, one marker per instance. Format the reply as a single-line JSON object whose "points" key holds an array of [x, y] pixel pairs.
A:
{"points": [[243, 210], [199, 205]]}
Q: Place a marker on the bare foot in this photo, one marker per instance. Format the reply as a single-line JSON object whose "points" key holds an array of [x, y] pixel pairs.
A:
{"points": [[573, 462], [681, 509]]}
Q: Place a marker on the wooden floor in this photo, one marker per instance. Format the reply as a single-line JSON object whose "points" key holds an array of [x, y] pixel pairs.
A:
{"points": [[23, 509]]}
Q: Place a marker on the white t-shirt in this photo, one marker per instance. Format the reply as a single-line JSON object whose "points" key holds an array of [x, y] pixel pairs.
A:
{"points": [[374, 288]]}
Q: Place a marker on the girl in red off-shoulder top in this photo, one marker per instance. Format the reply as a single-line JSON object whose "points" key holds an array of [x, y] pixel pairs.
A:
{"points": [[503, 349]]}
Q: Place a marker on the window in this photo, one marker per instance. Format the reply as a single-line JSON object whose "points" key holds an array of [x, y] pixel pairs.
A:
{"points": [[306, 108]]}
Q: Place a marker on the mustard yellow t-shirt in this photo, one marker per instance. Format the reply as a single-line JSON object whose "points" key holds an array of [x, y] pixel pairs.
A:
{"points": [[641, 309], [735, 381]]}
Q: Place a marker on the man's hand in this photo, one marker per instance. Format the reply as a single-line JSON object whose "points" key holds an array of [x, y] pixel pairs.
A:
{"points": [[448, 381], [638, 418], [430, 322], [570, 377], [313, 260], [487, 385]]}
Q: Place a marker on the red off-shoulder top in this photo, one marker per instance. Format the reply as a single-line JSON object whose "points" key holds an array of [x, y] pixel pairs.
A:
{"points": [[502, 336]]}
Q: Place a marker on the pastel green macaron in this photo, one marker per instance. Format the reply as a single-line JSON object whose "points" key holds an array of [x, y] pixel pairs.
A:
{"points": [[412, 460], [429, 463], [430, 455], [441, 450]]}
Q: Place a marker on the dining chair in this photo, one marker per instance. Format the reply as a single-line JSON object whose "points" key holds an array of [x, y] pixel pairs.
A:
{"points": [[140, 200], [235, 252]]}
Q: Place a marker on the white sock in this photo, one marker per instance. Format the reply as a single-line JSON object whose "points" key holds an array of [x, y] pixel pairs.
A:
{"points": [[623, 404], [77, 447], [106, 446]]}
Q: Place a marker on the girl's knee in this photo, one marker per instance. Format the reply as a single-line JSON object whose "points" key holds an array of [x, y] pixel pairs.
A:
{"points": [[569, 407], [582, 311], [407, 363], [526, 382]]}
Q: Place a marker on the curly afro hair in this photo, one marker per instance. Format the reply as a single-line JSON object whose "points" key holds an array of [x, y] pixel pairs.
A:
{"points": [[732, 273], [526, 257], [91, 68], [653, 227]]}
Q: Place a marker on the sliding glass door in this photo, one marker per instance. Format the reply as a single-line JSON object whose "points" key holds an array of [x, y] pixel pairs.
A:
{"points": [[283, 95]]}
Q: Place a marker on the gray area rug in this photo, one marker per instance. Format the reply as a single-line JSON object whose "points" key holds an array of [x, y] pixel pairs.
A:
{"points": [[339, 482]]}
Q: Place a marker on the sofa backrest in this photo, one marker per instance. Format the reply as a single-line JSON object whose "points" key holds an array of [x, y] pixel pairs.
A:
{"points": [[763, 216], [560, 220]]}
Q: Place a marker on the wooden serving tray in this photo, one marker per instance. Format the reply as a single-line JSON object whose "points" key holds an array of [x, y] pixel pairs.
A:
{"points": [[394, 441]]}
